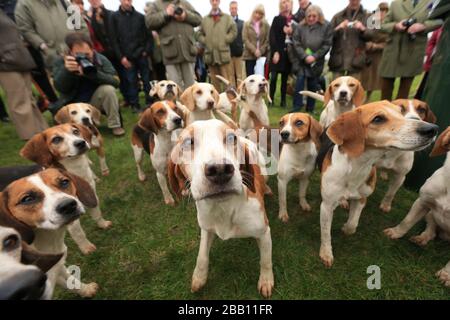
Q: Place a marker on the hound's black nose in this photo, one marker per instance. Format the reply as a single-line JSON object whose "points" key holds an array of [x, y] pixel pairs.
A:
{"points": [[210, 104], [178, 122], [343, 94], [219, 173], [26, 285], [428, 130], [80, 144], [170, 86], [67, 207], [86, 121], [285, 135]]}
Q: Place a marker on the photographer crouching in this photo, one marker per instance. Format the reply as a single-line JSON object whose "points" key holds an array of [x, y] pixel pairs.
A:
{"points": [[84, 75]]}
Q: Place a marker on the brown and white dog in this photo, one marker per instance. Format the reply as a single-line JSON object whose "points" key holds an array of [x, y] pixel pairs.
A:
{"points": [[226, 183], [342, 95], [433, 204], [155, 133], [201, 100], [165, 90], [89, 116], [300, 134], [66, 146], [46, 203], [396, 162], [361, 138], [253, 89], [229, 99], [22, 269]]}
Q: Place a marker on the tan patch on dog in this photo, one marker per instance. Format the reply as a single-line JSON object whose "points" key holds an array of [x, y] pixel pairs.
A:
{"points": [[442, 145]]}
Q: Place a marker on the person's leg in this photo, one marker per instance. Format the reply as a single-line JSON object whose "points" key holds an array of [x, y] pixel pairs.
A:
{"points": [[3, 113], [312, 85], [105, 99], [144, 71], [273, 84], [298, 98], [225, 71], [24, 113], [423, 83], [123, 87], [232, 71], [213, 71], [174, 74], [250, 67], [405, 86], [238, 68], [284, 79], [187, 70], [133, 86], [387, 87]]}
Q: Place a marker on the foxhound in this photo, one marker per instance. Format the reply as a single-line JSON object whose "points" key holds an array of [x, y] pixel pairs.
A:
{"points": [[433, 204], [200, 99], [165, 90], [300, 135], [46, 203], [66, 146], [342, 95], [221, 172], [361, 137], [254, 88]]}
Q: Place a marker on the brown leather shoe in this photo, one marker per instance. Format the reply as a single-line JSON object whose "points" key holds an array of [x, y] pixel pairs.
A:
{"points": [[118, 132]]}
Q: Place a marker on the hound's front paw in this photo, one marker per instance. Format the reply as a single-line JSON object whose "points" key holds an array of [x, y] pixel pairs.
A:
{"points": [[385, 207], [344, 204], [266, 284], [170, 202], [89, 290], [392, 233], [305, 206], [283, 216], [88, 248], [197, 283], [444, 277], [105, 172], [104, 224], [348, 230], [420, 240], [326, 255], [142, 177]]}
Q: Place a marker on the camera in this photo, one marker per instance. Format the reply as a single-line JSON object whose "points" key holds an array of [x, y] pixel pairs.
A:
{"points": [[86, 65], [408, 23], [351, 24], [178, 11]]}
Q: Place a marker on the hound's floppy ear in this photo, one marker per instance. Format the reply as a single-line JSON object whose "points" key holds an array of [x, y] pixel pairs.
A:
{"points": [[442, 145], [359, 96], [328, 94], [9, 221], [247, 169], [154, 91], [429, 116], [147, 121], [96, 115], [43, 261], [63, 116], [347, 131], [36, 150], [177, 179], [85, 132], [242, 89], [187, 98], [315, 131], [85, 193]]}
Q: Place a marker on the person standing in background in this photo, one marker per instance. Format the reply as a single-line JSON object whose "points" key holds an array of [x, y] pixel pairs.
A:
{"points": [[312, 41], [256, 38], [175, 22], [348, 52], [407, 25], [300, 15], [133, 43], [280, 31], [370, 79], [236, 47], [15, 79], [217, 32]]}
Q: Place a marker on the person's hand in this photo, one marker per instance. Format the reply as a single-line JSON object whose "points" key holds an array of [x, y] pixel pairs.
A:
{"points": [[276, 58], [43, 47], [71, 64], [400, 27], [170, 10], [257, 53], [416, 28], [144, 54], [310, 59], [342, 25], [359, 26], [125, 63], [181, 17], [287, 30]]}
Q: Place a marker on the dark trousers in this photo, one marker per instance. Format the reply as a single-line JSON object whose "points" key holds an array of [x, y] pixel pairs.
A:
{"points": [[312, 85], [3, 113], [387, 88], [423, 83], [250, 67], [139, 67], [273, 84]]}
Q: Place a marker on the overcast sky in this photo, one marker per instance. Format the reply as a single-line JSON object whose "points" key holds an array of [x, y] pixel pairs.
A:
{"points": [[330, 7]]}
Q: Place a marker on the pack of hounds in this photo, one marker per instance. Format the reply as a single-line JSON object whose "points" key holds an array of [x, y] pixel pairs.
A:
{"points": [[207, 145]]}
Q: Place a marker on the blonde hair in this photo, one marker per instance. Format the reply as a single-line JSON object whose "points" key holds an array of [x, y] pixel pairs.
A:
{"points": [[315, 9], [259, 8], [280, 8]]}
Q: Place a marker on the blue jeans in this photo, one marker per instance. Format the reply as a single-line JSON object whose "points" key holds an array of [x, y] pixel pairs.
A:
{"points": [[141, 67], [311, 84], [250, 67]]}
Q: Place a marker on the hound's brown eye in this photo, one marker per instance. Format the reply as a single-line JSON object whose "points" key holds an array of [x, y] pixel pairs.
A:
{"points": [[162, 85], [253, 80], [212, 92], [76, 132], [379, 120], [161, 111], [64, 183], [336, 85], [299, 123], [281, 123], [10, 243], [57, 140], [351, 85], [199, 92], [28, 199], [88, 111], [421, 110], [73, 112]]}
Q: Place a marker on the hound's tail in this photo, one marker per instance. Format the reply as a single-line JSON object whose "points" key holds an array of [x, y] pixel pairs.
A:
{"points": [[313, 95], [223, 80]]}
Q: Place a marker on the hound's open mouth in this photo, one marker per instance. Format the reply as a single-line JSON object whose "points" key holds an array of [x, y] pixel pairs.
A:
{"points": [[219, 195]]}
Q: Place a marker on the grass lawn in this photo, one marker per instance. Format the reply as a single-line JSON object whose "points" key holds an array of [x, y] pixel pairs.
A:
{"points": [[150, 252]]}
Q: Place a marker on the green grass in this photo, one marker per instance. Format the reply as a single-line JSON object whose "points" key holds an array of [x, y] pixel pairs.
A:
{"points": [[151, 250]]}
